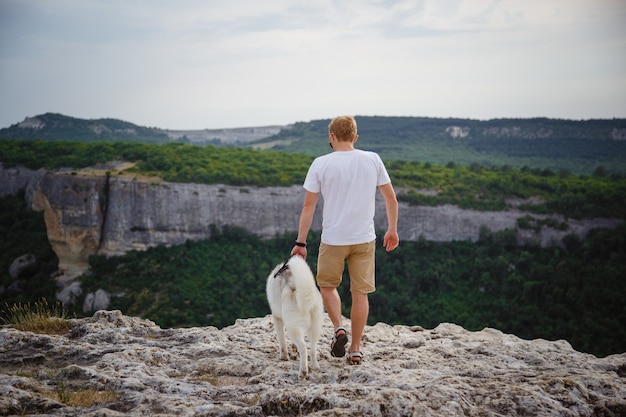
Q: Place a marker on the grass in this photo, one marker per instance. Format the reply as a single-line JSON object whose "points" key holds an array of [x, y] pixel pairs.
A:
{"points": [[44, 318], [222, 380], [39, 318], [80, 397]]}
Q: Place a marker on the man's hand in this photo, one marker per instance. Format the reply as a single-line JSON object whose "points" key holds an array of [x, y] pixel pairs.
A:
{"points": [[299, 250], [391, 241]]}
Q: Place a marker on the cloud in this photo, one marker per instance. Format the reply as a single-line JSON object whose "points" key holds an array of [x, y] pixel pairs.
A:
{"points": [[197, 64]]}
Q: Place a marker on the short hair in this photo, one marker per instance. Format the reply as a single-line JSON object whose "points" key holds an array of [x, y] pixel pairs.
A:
{"points": [[343, 127]]}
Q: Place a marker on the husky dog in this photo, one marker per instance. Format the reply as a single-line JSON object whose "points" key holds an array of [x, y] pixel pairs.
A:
{"points": [[297, 306]]}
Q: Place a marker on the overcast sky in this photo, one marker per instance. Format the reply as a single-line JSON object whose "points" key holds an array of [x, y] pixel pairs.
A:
{"points": [[195, 64]]}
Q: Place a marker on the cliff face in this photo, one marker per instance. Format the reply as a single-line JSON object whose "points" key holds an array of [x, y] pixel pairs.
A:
{"points": [[143, 213], [89, 213], [74, 212], [131, 367], [14, 180]]}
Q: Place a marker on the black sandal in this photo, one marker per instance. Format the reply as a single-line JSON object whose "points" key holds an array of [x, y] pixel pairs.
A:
{"points": [[338, 346], [355, 358]]}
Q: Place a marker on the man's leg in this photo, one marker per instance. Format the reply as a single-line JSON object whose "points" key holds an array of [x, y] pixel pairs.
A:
{"points": [[358, 316], [332, 303], [330, 266], [361, 264]]}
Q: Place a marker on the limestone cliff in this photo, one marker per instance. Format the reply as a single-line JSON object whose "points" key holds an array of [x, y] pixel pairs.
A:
{"points": [[88, 212], [144, 213], [74, 210]]}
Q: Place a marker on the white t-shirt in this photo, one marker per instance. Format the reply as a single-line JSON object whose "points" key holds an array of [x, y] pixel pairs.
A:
{"points": [[348, 181]]}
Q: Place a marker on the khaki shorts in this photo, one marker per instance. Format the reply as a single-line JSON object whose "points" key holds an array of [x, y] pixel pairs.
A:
{"points": [[331, 263]]}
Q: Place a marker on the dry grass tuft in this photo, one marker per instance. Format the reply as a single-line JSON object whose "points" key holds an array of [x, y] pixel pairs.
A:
{"points": [[223, 380], [39, 318], [81, 397]]}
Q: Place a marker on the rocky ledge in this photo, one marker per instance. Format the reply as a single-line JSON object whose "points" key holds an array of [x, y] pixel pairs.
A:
{"points": [[236, 371]]}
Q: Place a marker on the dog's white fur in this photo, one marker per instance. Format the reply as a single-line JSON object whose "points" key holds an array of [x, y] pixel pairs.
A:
{"points": [[296, 305]]}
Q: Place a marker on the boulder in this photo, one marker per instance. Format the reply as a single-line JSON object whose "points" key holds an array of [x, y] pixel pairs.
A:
{"points": [[22, 265], [70, 293], [99, 300]]}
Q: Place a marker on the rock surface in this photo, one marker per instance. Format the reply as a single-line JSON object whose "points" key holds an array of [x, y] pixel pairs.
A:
{"points": [[236, 371]]}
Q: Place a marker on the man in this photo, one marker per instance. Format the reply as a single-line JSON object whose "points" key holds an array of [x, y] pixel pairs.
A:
{"points": [[348, 179]]}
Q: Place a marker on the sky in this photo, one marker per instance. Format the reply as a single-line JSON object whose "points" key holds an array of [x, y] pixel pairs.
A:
{"points": [[209, 64]]}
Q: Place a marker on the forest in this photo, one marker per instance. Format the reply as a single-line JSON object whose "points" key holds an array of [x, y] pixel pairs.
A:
{"points": [[573, 291], [474, 186]]}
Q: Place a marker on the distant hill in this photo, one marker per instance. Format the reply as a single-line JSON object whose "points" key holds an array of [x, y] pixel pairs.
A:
{"points": [[53, 126], [577, 146]]}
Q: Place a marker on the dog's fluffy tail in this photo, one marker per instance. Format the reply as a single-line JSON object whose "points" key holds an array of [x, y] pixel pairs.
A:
{"points": [[304, 281], [300, 268]]}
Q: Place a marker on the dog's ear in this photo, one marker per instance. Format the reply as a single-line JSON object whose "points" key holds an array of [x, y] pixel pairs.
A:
{"points": [[282, 269]]}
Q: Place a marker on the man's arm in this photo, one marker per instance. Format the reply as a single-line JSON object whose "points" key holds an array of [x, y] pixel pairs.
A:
{"points": [[391, 239], [306, 219]]}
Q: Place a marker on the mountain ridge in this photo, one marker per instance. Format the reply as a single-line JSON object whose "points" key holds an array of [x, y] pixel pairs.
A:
{"points": [[55, 126], [576, 146], [46, 124]]}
